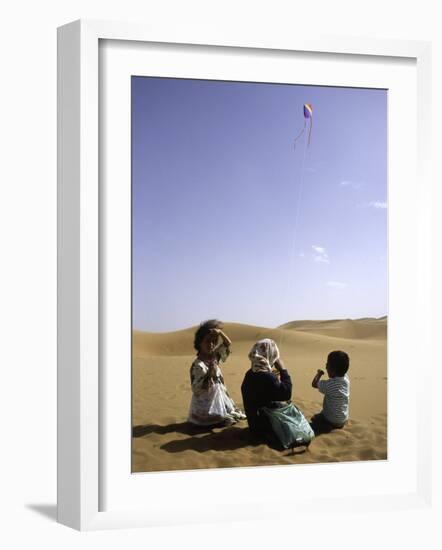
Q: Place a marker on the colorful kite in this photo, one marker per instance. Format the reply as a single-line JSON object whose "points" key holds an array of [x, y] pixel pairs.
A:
{"points": [[308, 115]]}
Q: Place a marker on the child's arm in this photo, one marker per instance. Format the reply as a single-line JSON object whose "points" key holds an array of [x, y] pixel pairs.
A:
{"points": [[317, 378], [278, 388], [222, 350], [211, 374], [224, 338], [200, 378]]}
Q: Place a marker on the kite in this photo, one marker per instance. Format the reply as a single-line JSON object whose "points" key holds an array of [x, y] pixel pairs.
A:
{"points": [[308, 115]]}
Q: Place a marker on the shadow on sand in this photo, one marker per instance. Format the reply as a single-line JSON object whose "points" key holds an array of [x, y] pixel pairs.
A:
{"points": [[227, 439], [202, 439], [181, 427]]}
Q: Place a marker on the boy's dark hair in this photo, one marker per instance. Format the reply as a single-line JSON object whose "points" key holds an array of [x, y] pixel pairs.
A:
{"points": [[339, 362], [204, 328]]}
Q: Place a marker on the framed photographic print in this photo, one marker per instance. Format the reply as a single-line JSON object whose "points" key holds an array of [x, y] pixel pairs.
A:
{"points": [[238, 225]]}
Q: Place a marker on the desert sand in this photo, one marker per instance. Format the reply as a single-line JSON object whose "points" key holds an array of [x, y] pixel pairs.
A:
{"points": [[163, 440]]}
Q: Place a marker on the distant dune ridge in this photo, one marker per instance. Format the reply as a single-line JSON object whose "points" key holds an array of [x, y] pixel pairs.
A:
{"points": [[343, 328], [161, 395]]}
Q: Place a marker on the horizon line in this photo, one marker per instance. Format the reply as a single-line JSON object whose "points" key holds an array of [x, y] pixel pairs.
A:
{"points": [[261, 326]]}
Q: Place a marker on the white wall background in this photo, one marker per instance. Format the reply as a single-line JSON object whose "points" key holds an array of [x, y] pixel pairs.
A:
{"points": [[28, 263]]}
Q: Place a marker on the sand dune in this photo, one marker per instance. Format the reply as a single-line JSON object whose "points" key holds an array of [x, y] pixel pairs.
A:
{"points": [[343, 328], [161, 396]]}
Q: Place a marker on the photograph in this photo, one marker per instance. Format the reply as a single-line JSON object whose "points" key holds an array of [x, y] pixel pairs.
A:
{"points": [[259, 258]]}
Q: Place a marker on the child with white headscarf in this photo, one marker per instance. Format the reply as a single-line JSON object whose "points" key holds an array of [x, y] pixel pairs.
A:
{"points": [[261, 385]]}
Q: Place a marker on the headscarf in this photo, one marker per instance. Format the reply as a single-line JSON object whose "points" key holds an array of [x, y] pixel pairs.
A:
{"points": [[263, 355]]}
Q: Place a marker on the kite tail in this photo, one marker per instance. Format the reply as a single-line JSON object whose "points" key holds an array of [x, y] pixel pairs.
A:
{"points": [[310, 131]]}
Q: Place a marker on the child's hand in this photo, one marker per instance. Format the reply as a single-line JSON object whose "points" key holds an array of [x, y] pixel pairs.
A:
{"points": [[217, 332], [279, 365], [211, 372], [225, 339], [317, 377]]}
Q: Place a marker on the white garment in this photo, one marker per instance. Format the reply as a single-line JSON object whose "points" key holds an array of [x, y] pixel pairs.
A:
{"points": [[336, 398], [263, 355], [210, 404]]}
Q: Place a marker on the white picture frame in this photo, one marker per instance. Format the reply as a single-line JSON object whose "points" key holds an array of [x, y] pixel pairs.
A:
{"points": [[80, 442]]}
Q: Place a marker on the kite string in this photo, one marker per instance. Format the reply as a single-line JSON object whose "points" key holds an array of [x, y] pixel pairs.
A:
{"points": [[300, 134], [294, 235]]}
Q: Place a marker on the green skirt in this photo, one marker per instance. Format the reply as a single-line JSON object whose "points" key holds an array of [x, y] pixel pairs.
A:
{"points": [[287, 425]]}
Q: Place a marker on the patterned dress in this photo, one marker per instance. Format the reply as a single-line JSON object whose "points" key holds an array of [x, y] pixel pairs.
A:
{"points": [[211, 404]]}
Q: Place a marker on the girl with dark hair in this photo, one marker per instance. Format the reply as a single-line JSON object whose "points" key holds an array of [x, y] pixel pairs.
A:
{"points": [[211, 404]]}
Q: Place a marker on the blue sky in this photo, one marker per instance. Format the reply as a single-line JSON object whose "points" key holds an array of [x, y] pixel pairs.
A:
{"points": [[231, 221]]}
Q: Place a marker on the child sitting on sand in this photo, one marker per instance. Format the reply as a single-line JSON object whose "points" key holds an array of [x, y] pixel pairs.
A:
{"points": [[266, 392], [211, 404], [336, 392]]}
